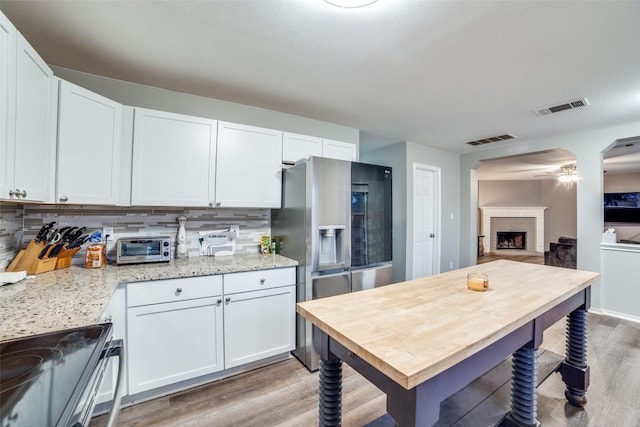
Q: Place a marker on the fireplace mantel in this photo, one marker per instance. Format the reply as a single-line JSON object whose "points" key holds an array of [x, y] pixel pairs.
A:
{"points": [[536, 212]]}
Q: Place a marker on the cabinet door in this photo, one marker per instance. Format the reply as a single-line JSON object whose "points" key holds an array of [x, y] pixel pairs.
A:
{"points": [[7, 104], [173, 342], [258, 324], [173, 159], [89, 140], [30, 145], [115, 313], [338, 150], [296, 147], [248, 166]]}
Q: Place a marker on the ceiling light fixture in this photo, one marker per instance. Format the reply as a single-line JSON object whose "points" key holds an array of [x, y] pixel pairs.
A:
{"points": [[350, 4], [568, 174]]}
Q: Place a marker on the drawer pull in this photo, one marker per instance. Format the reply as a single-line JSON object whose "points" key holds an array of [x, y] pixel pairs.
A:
{"points": [[219, 301], [178, 291], [262, 281], [227, 299]]}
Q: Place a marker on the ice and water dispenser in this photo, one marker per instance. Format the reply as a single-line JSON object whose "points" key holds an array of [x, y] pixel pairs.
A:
{"points": [[331, 255]]}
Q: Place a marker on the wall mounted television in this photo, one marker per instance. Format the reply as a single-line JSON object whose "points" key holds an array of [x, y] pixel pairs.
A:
{"points": [[622, 207]]}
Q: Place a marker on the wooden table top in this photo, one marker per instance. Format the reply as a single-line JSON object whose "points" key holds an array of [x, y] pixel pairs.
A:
{"points": [[412, 331]]}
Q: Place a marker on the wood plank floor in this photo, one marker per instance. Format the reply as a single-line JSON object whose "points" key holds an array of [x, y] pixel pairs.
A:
{"points": [[522, 258], [285, 393]]}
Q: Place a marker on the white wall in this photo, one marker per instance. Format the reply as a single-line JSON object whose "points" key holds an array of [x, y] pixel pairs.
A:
{"points": [[561, 214], [510, 193], [587, 147], [138, 95]]}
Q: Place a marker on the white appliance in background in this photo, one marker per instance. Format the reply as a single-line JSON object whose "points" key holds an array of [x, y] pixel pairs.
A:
{"points": [[217, 242], [609, 236]]}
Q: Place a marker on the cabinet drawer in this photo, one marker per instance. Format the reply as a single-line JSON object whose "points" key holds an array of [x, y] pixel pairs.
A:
{"points": [[262, 279], [172, 290]]}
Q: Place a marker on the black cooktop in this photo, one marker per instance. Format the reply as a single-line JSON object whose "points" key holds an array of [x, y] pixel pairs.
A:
{"points": [[43, 377]]}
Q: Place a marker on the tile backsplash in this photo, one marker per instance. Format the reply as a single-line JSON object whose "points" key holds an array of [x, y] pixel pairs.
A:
{"points": [[20, 223]]}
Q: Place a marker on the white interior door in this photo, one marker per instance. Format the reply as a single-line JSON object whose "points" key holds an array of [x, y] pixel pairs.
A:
{"points": [[426, 220]]}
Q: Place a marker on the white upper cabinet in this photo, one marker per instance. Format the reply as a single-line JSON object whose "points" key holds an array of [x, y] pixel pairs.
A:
{"points": [[296, 147], [7, 104], [89, 140], [248, 166], [338, 150], [173, 159], [27, 120]]}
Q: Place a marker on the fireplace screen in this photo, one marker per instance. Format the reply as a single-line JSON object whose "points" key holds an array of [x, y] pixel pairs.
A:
{"points": [[511, 240]]}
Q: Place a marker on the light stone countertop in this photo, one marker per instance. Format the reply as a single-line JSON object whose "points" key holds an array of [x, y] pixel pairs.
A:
{"points": [[77, 296]]}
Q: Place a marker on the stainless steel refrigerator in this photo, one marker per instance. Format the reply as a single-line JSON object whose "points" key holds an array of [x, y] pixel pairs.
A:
{"points": [[314, 227]]}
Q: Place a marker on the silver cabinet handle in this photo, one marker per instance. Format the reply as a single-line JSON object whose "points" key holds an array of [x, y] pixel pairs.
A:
{"points": [[262, 281], [432, 235], [178, 291], [218, 203], [64, 199], [109, 318], [227, 299], [219, 300], [17, 193]]}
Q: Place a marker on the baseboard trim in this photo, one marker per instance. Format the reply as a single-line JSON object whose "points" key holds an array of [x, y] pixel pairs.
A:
{"points": [[623, 316]]}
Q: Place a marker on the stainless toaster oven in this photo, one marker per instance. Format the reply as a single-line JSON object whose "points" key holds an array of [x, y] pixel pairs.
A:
{"points": [[136, 250]]}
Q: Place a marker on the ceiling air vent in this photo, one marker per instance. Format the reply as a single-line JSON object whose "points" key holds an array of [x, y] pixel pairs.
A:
{"points": [[483, 141], [582, 102]]}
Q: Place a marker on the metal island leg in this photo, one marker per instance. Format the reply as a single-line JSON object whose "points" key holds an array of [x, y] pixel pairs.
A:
{"points": [[330, 382], [330, 392], [574, 368], [524, 378]]}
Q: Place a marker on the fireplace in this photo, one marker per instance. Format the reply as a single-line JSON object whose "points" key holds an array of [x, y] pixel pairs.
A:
{"points": [[511, 240], [508, 218]]}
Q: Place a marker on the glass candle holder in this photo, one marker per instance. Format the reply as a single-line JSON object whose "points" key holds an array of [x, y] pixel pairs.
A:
{"points": [[477, 281]]}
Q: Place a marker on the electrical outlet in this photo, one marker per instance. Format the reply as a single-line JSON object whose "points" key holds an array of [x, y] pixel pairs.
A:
{"points": [[107, 231]]}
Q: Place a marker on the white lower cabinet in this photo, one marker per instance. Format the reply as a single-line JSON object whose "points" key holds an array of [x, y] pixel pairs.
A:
{"points": [[181, 329], [174, 340], [258, 324]]}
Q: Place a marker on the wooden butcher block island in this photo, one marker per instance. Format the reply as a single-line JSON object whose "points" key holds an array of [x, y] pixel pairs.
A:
{"points": [[423, 340]]}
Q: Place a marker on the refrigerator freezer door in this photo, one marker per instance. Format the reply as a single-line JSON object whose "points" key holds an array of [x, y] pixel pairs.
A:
{"points": [[330, 285], [368, 278], [321, 286]]}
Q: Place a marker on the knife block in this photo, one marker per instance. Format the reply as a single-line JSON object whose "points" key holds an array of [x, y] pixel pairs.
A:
{"points": [[65, 256], [27, 259]]}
